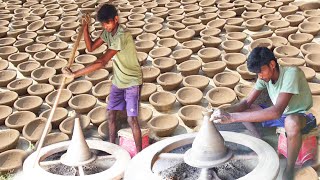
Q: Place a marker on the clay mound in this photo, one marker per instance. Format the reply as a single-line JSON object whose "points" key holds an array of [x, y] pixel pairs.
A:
{"points": [[12, 160], [196, 81], [163, 125], [8, 98], [5, 112], [102, 89], [63, 100], [34, 129], [82, 103], [162, 101], [6, 76], [67, 125], [221, 95], [189, 96], [53, 138], [28, 103], [191, 114], [9, 139], [80, 87], [59, 115], [98, 115], [20, 85]]}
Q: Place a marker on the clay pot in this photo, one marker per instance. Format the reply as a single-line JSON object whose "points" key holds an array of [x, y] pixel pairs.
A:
{"points": [[278, 41], [158, 20], [262, 42], [184, 35], [19, 119], [169, 80], [162, 101], [18, 58], [196, 81], [59, 115], [264, 34], [69, 26], [207, 17], [194, 45], [146, 91], [287, 10], [5, 112], [313, 19], [57, 64], [250, 15], [286, 51], [15, 32], [211, 41], [6, 51], [167, 42], [145, 114], [220, 95], [233, 60], [80, 87], [210, 32], [273, 4], [28, 103], [67, 125], [289, 61], [34, 48], [285, 32], [103, 130], [245, 73], [177, 18], [63, 100], [144, 46], [46, 32], [43, 56], [175, 11], [34, 26], [163, 125], [4, 64], [239, 36], [136, 17], [189, 67], [20, 86], [97, 76], [152, 27], [309, 48], [12, 160], [135, 24], [55, 137], [85, 59], [166, 33], [255, 24], [315, 88], [98, 115], [235, 21], [189, 96], [98, 52], [217, 23], [102, 89], [232, 28], [263, 11], [65, 54], [8, 98], [15, 25], [9, 139], [226, 14], [6, 77], [34, 129], [294, 19], [8, 41], [150, 73], [197, 28], [212, 68], [299, 39], [308, 72], [42, 74], [165, 64], [311, 28], [82, 103], [45, 39], [253, 6], [53, 25], [41, 90], [277, 24], [181, 55], [171, 5], [242, 90], [232, 46], [65, 35], [191, 114], [147, 37], [312, 61], [75, 67], [57, 46], [226, 79]]}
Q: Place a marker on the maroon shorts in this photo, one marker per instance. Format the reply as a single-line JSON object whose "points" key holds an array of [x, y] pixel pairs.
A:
{"points": [[127, 98]]}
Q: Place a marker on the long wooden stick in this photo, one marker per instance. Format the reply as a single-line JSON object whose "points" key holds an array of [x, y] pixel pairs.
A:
{"points": [[55, 104]]}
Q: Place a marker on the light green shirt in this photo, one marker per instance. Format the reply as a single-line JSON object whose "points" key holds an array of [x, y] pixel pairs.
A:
{"points": [[126, 68], [291, 80]]}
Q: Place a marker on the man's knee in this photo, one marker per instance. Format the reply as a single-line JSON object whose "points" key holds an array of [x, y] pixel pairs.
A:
{"points": [[293, 124]]}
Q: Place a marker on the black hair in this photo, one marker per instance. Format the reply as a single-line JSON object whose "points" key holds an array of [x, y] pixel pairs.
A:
{"points": [[259, 57], [106, 12]]}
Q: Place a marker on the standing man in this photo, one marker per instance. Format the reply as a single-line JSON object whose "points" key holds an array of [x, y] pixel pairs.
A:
{"points": [[291, 97], [127, 74]]}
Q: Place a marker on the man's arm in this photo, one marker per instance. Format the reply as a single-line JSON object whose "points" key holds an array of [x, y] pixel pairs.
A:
{"points": [[273, 112], [90, 45], [98, 64]]}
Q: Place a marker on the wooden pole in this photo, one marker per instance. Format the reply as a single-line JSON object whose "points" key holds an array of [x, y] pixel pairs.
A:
{"points": [[55, 104]]}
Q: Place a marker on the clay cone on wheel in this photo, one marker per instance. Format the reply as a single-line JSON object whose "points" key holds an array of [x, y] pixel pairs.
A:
{"points": [[78, 152], [208, 148]]}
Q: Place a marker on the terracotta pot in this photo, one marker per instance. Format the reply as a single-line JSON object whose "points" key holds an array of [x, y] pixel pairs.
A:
{"points": [[278, 41], [233, 60], [102, 89], [19, 119], [59, 115], [189, 96], [97, 52], [220, 95], [15, 25], [245, 73], [242, 90], [150, 74], [312, 61], [175, 11], [162, 101], [136, 17], [34, 48], [163, 125], [57, 46], [226, 14], [263, 11], [232, 28], [313, 19], [8, 98], [144, 46], [152, 27], [294, 19], [290, 61], [4, 64], [211, 41], [209, 54], [285, 32], [97, 76], [181, 55], [250, 15], [262, 42], [191, 114], [166, 33], [82, 103], [207, 17], [169, 80], [65, 35], [196, 81], [239, 36], [15, 32], [34, 26], [165, 64], [210, 32], [236, 21], [253, 6], [184, 35], [194, 45], [286, 51], [66, 126], [43, 56], [85, 59], [311, 28], [168, 42], [12, 160], [57, 64], [42, 74], [98, 115], [6, 51], [189, 67], [6, 77], [287, 10], [28, 103], [103, 130], [264, 34], [147, 37], [34, 129], [63, 100], [217, 23], [45, 39], [232, 46], [41, 90], [5, 112], [226, 79], [7, 41], [75, 67], [46, 32], [145, 114], [54, 137], [315, 88], [177, 18], [309, 48], [277, 24], [274, 4], [155, 20], [135, 24], [146, 90], [20, 86], [299, 39], [80, 87], [255, 24], [9, 138], [308, 72]]}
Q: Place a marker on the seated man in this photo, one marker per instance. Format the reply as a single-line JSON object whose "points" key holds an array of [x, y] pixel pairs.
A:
{"points": [[291, 97]]}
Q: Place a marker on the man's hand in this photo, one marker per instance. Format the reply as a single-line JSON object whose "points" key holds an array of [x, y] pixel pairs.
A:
{"points": [[220, 116], [86, 19], [67, 73]]}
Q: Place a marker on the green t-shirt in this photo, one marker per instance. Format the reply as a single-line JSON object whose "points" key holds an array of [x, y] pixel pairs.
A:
{"points": [[291, 80], [126, 68]]}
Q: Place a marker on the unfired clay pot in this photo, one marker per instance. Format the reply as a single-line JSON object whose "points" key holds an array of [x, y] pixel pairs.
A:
{"points": [[19, 119], [165, 64], [169, 80], [8, 98], [181, 55], [54, 137], [262, 42], [67, 125], [233, 60], [242, 90], [162, 101], [150, 74], [226, 79], [287, 10], [189, 67], [97, 76], [20, 85], [240, 36], [9, 139], [5, 112], [197, 28], [80, 87], [152, 27], [299, 39], [146, 91], [196, 81], [147, 37], [82, 103], [274, 4], [233, 28], [211, 41], [160, 52], [65, 54], [102, 89], [174, 25], [312, 61], [263, 34], [209, 54], [145, 114], [135, 31], [166, 33], [34, 26], [142, 58], [56, 64], [245, 73], [163, 125], [253, 6], [43, 56], [59, 115], [250, 15], [294, 19], [168, 42], [184, 35], [217, 23], [308, 27], [232, 46], [189, 96], [4, 64], [220, 95], [286, 51], [19, 45], [266, 10], [41, 90], [18, 58], [98, 115], [271, 17], [278, 41], [212, 68], [103, 130], [255, 24], [45, 39], [315, 88], [191, 114], [34, 129], [7, 76], [309, 48], [291, 61], [210, 32], [7, 41], [308, 72], [42, 74], [12, 160], [57, 46], [207, 17], [28, 103], [144, 46], [6, 51], [63, 100]]}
